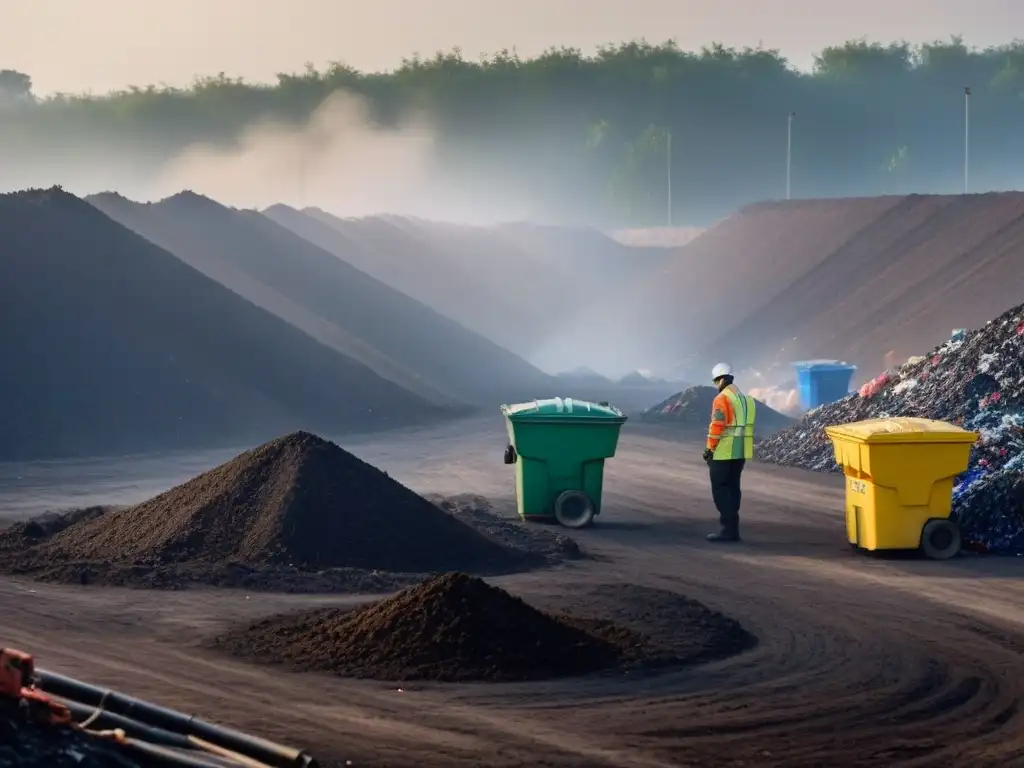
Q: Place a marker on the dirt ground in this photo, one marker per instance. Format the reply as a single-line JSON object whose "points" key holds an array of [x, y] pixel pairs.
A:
{"points": [[861, 661]]}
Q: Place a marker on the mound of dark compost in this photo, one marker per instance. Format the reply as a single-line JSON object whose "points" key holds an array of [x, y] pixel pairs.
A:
{"points": [[976, 382], [458, 628], [691, 409], [296, 505], [452, 628], [25, 744], [112, 346], [295, 277]]}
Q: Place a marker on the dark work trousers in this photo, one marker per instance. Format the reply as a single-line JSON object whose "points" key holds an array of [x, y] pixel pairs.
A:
{"points": [[725, 490]]}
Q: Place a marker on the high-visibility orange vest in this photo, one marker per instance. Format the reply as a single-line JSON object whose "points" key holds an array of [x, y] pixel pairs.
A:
{"points": [[737, 440]]}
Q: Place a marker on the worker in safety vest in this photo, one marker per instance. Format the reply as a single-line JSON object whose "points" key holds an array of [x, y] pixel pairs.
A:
{"points": [[730, 443]]}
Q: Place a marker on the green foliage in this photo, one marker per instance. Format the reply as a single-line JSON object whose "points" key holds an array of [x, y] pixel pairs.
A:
{"points": [[593, 129]]}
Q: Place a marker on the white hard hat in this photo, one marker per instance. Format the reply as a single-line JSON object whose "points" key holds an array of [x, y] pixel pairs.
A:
{"points": [[720, 370]]}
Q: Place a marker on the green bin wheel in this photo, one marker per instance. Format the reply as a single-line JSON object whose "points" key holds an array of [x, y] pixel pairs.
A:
{"points": [[574, 509], [940, 539]]}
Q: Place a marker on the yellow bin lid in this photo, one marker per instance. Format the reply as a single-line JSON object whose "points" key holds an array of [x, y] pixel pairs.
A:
{"points": [[901, 430]]}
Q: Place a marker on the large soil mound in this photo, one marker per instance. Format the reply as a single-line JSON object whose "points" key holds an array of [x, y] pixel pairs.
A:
{"points": [[332, 300], [109, 344], [976, 382], [691, 409], [849, 279], [455, 628], [298, 503], [518, 285]]}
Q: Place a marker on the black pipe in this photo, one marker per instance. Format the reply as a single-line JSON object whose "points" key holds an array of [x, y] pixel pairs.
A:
{"points": [[265, 751], [148, 735], [132, 728], [165, 757]]}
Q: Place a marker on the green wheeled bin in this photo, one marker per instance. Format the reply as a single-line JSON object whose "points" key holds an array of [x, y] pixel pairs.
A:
{"points": [[558, 447]]}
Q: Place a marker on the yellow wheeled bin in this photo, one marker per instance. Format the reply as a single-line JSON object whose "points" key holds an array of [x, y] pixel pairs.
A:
{"points": [[899, 482]]}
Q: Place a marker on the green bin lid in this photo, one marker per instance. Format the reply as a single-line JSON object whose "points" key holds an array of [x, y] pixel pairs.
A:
{"points": [[562, 408]]}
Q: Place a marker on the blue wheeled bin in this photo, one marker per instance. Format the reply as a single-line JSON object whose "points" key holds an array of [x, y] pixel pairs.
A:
{"points": [[822, 381]]}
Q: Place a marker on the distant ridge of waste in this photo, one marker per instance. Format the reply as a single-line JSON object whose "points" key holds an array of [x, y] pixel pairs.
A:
{"points": [[976, 381]]}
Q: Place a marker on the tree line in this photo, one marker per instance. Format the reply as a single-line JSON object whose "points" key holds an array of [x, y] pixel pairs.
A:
{"points": [[596, 136]]}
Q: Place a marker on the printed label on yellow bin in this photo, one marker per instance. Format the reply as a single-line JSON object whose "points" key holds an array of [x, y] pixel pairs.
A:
{"points": [[858, 486]]}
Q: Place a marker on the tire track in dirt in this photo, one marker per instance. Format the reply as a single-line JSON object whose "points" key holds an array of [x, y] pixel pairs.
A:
{"points": [[861, 661]]}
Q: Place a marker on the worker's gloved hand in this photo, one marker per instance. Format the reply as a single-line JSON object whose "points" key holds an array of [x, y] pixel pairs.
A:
{"points": [[708, 454]]}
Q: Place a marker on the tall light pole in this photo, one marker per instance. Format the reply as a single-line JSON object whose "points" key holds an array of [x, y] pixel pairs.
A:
{"points": [[967, 135], [789, 155], [668, 173]]}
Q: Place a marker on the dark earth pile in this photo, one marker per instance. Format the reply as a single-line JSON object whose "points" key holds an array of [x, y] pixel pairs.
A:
{"points": [[111, 345], [691, 408], [29, 745], [458, 628], [295, 507], [404, 340], [976, 382]]}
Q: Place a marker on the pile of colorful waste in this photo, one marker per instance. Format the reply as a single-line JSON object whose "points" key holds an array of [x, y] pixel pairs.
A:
{"points": [[974, 380]]}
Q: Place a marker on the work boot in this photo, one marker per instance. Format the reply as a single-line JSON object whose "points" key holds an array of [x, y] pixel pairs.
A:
{"points": [[724, 536]]}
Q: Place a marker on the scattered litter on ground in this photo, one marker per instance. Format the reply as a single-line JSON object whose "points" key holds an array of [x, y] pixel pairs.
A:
{"points": [[975, 381], [297, 513], [456, 627], [691, 408]]}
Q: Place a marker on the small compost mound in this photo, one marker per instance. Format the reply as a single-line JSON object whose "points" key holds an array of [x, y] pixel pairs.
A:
{"points": [[458, 628], [29, 745], [298, 504], [453, 628], [691, 409], [976, 382]]}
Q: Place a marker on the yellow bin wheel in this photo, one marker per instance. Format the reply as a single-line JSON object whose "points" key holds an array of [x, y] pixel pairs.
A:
{"points": [[940, 539]]}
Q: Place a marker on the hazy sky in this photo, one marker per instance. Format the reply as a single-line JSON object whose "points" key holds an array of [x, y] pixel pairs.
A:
{"points": [[99, 45]]}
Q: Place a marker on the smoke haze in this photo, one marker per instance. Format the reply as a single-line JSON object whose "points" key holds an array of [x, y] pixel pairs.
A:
{"points": [[339, 161]]}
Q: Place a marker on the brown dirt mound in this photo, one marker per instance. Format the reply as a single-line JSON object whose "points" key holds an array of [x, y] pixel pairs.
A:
{"points": [[292, 275], [485, 278], [298, 503], [852, 279], [453, 628], [899, 284]]}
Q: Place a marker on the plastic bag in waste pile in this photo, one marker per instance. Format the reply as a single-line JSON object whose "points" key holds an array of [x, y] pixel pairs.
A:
{"points": [[977, 382]]}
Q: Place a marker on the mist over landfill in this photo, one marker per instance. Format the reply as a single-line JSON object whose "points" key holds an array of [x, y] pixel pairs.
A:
{"points": [[619, 404]]}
